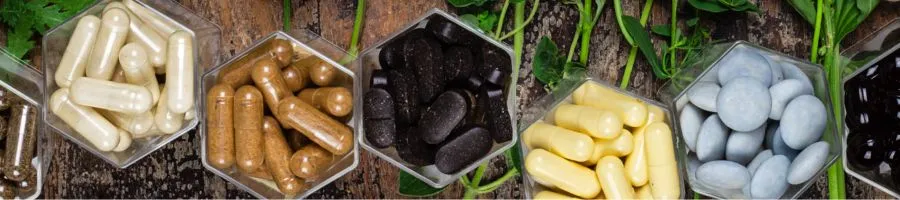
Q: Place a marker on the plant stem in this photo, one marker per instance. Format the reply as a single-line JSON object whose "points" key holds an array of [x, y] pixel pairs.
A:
{"points": [[672, 39], [617, 7], [519, 36], [574, 40], [496, 183], [814, 55], [502, 18], [833, 71], [471, 189], [519, 27], [586, 31], [357, 27], [286, 15], [632, 54]]}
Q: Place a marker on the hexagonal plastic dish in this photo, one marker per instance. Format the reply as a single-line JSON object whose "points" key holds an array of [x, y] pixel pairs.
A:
{"points": [[705, 68], [206, 36], [368, 61], [314, 46]]}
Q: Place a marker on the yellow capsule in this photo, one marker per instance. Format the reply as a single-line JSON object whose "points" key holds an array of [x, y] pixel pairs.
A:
{"points": [[546, 194], [661, 165], [636, 162], [551, 170], [643, 193], [74, 59], [595, 122], [571, 145], [619, 147], [631, 111], [124, 141], [611, 174]]}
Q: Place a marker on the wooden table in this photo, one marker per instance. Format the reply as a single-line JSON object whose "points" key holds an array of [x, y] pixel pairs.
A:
{"points": [[175, 171]]}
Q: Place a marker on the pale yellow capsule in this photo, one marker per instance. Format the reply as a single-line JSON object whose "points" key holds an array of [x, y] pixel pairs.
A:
{"points": [[546, 194], [118, 75], [124, 141], [571, 145], [661, 165], [119, 97], [643, 192], [84, 120], [143, 34], [631, 111], [180, 72], [167, 121], [595, 122], [636, 162], [619, 147], [74, 60], [611, 174], [137, 70], [137, 124], [162, 26], [553, 171], [113, 30]]}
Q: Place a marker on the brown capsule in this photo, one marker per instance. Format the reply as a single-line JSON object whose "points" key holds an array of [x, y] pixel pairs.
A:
{"points": [[219, 122], [309, 161], [238, 73], [248, 136], [20, 142], [267, 76], [277, 158], [27, 186], [2, 127], [295, 139], [320, 72], [315, 125], [261, 173], [295, 77], [337, 101], [7, 189]]}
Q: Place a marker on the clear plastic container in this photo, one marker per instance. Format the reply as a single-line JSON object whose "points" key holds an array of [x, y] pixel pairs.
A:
{"points": [[704, 68], [24, 81], [318, 47], [206, 55], [543, 108], [368, 62], [858, 58]]}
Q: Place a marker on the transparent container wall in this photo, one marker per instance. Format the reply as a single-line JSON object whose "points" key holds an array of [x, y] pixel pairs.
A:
{"points": [[319, 47], [542, 109], [24, 81], [368, 62], [856, 59], [206, 49], [673, 93]]}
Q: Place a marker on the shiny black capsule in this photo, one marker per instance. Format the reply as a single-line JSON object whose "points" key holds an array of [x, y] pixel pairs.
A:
{"points": [[865, 150]]}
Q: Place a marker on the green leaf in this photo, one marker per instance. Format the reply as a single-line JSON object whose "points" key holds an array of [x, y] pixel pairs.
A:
{"points": [[469, 19], [547, 66], [466, 3], [71, 7], [516, 1], [693, 21], [733, 3], [514, 157], [19, 42], [746, 7], [413, 187], [642, 39], [662, 30], [487, 20], [866, 6], [713, 7]]}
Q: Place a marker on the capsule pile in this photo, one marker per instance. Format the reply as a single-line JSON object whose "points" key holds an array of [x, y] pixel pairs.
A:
{"points": [[17, 128], [601, 128], [256, 124], [109, 92], [438, 97], [872, 100], [754, 126]]}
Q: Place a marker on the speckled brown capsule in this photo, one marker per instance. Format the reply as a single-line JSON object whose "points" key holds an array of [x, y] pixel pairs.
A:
{"points": [[309, 161], [7, 189], [278, 156], [296, 77], [261, 172], [295, 139], [336, 101], [320, 72], [27, 186], [5, 99], [220, 125], [238, 73], [20, 143], [317, 126], [267, 76], [248, 135]]}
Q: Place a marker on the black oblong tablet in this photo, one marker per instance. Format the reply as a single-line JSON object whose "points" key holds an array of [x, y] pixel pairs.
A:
{"points": [[473, 82], [449, 32], [405, 94], [496, 116], [471, 101], [471, 144], [379, 79], [424, 56], [496, 77], [458, 63], [491, 58], [391, 55], [439, 119], [412, 149], [378, 104], [380, 132]]}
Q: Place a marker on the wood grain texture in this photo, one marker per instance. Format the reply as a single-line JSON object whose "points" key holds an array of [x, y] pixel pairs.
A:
{"points": [[175, 170]]}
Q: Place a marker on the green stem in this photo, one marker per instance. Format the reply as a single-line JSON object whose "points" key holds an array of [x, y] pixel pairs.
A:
{"points": [[617, 7], [519, 36], [629, 66], [286, 15], [502, 18], [833, 71], [472, 187], [814, 55], [357, 27], [574, 41], [672, 39], [586, 31], [496, 183], [520, 26]]}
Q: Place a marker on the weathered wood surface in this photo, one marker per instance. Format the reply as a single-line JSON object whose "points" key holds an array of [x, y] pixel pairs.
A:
{"points": [[175, 171]]}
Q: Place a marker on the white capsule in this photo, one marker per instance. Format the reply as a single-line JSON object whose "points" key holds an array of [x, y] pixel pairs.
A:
{"points": [[167, 121], [118, 97], [180, 72], [138, 124], [74, 60], [124, 141], [163, 27], [84, 120], [142, 33], [103, 59], [137, 70]]}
